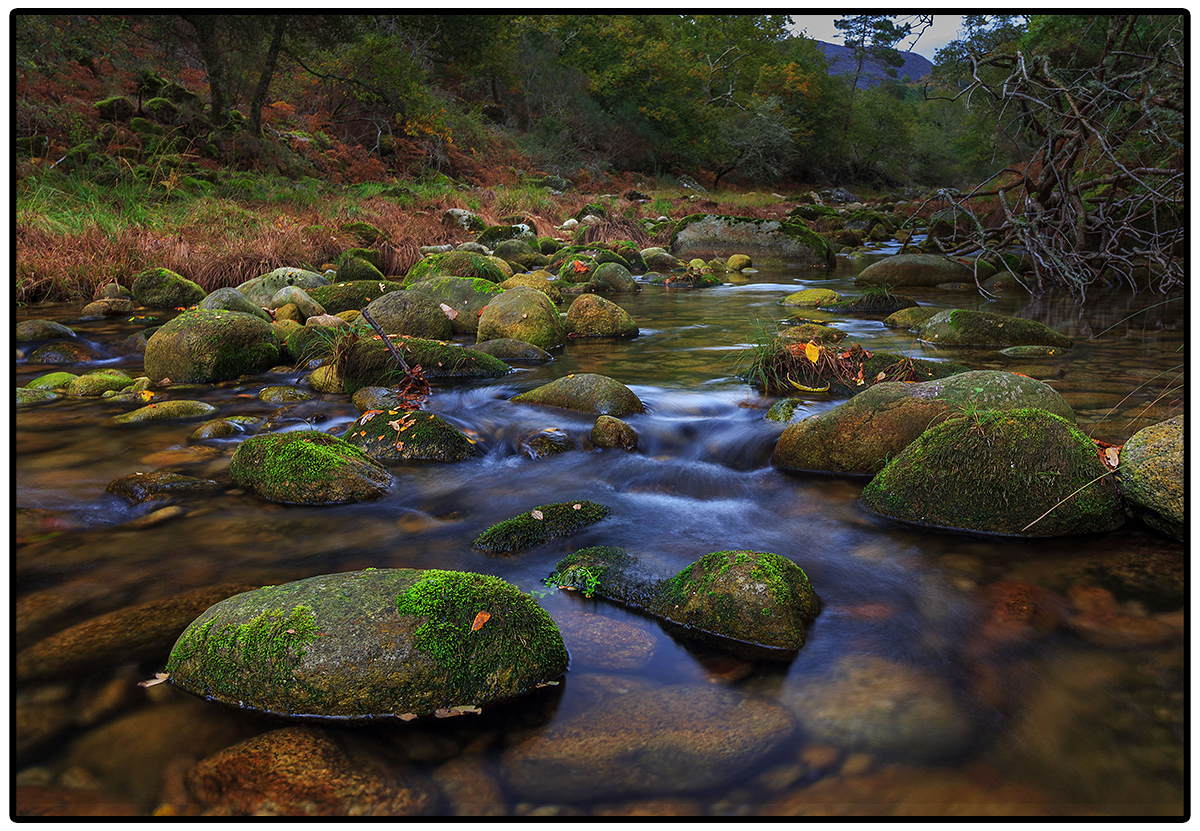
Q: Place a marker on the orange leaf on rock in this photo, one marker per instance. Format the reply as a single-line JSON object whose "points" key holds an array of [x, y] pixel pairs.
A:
{"points": [[480, 619]]}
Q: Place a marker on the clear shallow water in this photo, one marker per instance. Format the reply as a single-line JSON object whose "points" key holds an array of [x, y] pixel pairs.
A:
{"points": [[912, 603]]}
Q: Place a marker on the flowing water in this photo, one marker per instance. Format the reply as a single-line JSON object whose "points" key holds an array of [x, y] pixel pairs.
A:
{"points": [[928, 708]]}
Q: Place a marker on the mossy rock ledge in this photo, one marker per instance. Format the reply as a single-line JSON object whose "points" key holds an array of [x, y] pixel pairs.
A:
{"points": [[1019, 473], [307, 467], [861, 435], [386, 643], [588, 392], [967, 327], [749, 602], [210, 345]]}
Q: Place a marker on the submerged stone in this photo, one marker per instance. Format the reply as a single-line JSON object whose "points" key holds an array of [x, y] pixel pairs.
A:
{"points": [[370, 644], [307, 468], [538, 525], [1022, 472], [750, 601], [914, 270], [141, 487]]}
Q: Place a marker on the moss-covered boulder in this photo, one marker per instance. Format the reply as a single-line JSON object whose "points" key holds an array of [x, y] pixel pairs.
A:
{"points": [[1024, 473], [495, 234], [610, 432], [396, 436], [576, 270], [523, 314], [62, 352], [659, 259], [588, 392], [167, 411], [861, 435], [204, 345], [299, 299], [412, 313], [811, 297], [386, 643], [513, 351], [364, 232], [914, 270], [336, 298], [521, 253], [737, 262], [116, 108], [369, 363], [232, 300], [95, 384], [766, 240], [1152, 477], [26, 397], [52, 381], [745, 600], [539, 280], [538, 525], [161, 288], [461, 299], [909, 318], [261, 289], [612, 277], [592, 316], [782, 366], [352, 269], [967, 327], [468, 264], [40, 329], [307, 468]]}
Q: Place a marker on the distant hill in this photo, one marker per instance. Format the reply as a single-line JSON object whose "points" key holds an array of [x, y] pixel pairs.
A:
{"points": [[841, 62]]}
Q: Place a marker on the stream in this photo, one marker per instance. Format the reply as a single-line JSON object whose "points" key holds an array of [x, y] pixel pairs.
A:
{"points": [[904, 701]]}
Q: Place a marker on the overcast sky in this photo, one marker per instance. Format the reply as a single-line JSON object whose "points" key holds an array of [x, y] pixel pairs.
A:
{"points": [[943, 30]]}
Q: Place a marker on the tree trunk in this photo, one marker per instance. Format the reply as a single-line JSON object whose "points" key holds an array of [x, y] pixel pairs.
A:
{"points": [[214, 61], [264, 80]]}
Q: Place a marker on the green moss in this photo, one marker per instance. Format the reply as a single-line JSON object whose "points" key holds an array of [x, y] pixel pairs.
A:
{"points": [[527, 530], [471, 649], [239, 662], [306, 467], [411, 436], [369, 363]]}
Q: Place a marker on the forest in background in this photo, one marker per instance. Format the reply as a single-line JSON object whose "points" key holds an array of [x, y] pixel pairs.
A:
{"points": [[1064, 133]]}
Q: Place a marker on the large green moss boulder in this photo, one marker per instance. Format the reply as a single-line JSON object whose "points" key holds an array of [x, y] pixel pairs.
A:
{"points": [[204, 346], [260, 290], [585, 391], [592, 316], [468, 264], [765, 240], [161, 288], [412, 313], [52, 381], [307, 468], [379, 643], [914, 270], [746, 600], [495, 234], [862, 434], [539, 280], [538, 525], [523, 314], [398, 436], [369, 363], [340, 297], [98, 382], [351, 269], [612, 277], [232, 300], [116, 108], [463, 296], [1151, 475], [1024, 473], [967, 327]]}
